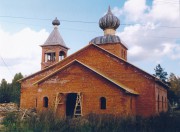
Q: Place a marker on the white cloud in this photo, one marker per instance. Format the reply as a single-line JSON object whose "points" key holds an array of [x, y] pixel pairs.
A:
{"points": [[165, 11], [116, 11], [148, 40], [134, 9], [20, 51]]}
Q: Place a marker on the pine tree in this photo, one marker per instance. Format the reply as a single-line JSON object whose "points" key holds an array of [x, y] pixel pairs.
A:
{"points": [[160, 73], [5, 93], [10, 92], [16, 88]]}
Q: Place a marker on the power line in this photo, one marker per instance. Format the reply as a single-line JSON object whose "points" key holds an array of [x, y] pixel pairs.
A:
{"points": [[6, 65], [19, 17], [44, 19], [123, 24], [82, 30]]}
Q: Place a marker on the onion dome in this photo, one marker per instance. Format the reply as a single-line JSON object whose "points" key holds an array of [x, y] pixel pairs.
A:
{"points": [[109, 21], [56, 22]]}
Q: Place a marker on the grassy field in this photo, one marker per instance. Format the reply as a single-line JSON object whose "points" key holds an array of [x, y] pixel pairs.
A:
{"points": [[47, 122]]}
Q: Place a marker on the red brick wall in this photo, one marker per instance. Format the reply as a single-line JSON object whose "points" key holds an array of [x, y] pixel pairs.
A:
{"points": [[76, 79], [161, 99], [114, 68], [117, 49], [126, 74]]}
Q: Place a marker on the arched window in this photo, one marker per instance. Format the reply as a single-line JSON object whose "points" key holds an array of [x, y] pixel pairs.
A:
{"points": [[131, 103], [162, 103], [165, 102], [45, 102], [122, 53], [158, 103], [103, 103], [62, 55], [36, 102]]}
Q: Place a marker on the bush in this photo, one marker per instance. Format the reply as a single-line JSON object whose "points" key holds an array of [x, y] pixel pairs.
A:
{"points": [[47, 122]]}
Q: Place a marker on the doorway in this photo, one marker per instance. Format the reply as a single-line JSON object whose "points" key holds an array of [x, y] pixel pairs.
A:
{"points": [[70, 104]]}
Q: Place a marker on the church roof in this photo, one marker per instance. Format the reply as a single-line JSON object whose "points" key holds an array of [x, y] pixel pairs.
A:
{"points": [[106, 39], [123, 87], [55, 37], [98, 47]]}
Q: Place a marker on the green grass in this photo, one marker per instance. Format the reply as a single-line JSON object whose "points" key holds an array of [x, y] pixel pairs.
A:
{"points": [[48, 122]]}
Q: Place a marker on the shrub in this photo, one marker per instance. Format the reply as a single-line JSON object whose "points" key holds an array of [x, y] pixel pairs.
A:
{"points": [[46, 121]]}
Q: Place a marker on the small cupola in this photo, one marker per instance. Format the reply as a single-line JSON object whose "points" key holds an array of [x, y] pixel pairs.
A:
{"points": [[54, 49], [56, 22], [110, 41]]}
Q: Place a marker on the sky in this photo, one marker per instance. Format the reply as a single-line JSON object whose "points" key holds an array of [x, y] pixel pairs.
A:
{"points": [[149, 28]]}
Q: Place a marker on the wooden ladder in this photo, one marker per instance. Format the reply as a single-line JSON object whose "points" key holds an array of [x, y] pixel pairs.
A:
{"points": [[78, 106], [58, 100]]}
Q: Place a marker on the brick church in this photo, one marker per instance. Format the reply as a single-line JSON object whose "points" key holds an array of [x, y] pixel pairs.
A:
{"points": [[95, 79]]}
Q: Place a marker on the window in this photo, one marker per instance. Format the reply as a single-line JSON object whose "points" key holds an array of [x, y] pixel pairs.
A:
{"points": [[36, 102], [122, 53], [45, 102], [162, 103], [158, 103], [103, 103], [131, 103], [61, 55], [165, 103], [50, 56]]}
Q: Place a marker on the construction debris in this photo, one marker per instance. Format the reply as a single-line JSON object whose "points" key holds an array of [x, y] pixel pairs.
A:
{"points": [[8, 107]]}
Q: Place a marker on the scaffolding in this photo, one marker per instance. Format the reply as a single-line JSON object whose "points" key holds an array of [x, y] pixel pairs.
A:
{"points": [[78, 104], [58, 100]]}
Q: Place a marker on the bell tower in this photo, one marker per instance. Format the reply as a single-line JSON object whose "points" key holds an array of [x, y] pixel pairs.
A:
{"points": [[54, 49]]}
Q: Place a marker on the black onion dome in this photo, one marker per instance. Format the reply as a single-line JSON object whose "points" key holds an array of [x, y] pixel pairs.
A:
{"points": [[106, 39], [56, 22], [109, 21]]}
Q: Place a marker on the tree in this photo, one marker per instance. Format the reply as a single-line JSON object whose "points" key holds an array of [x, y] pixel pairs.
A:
{"points": [[17, 77], [160, 73], [5, 93], [16, 88], [174, 82], [10, 92]]}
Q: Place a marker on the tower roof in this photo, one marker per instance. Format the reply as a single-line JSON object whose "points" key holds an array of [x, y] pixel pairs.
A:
{"points": [[55, 37], [106, 39]]}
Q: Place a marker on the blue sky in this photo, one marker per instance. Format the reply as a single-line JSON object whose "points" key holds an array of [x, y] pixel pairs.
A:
{"points": [[150, 31]]}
